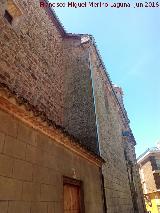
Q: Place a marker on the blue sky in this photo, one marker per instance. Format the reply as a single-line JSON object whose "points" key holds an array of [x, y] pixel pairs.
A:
{"points": [[129, 42]]}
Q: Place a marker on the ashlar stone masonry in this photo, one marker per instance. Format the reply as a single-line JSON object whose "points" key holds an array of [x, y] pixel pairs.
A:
{"points": [[60, 79]]}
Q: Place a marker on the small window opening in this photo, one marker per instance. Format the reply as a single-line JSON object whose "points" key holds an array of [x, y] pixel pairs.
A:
{"points": [[8, 16], [12, 11]]}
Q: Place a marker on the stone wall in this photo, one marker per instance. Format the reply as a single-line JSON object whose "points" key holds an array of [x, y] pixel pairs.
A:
{"points": [[131, 158], [32, 167], [31, 58], [146, 172], [118, 196], [111, 123], [59, 77], [48, 70], [79, 107]]}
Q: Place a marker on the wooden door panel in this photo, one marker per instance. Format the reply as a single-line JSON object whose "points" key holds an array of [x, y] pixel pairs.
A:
{"points": [[71, 199], [71, 211]]}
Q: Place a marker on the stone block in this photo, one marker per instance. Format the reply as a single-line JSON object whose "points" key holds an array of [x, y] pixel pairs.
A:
{"points": [[10, 189], [40, 157], [4, 206], [26, 134], [1, 141], [93, 207], [42, 142], [31, 191], [22, 170], [58, 207], [8, 124], [44, 175], [34, 155], [19, 207], [51, 207], [14, 148], [6, 165], [48, 193], [49, 160], [39, 207]]}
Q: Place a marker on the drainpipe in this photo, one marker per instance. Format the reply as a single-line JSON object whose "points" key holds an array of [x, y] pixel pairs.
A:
{"points": [[103, 191], [97, 125], [93, 92]]}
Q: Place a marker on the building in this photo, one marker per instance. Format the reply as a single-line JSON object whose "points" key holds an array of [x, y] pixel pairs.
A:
{"points": [[63, 123], [149, 169]]}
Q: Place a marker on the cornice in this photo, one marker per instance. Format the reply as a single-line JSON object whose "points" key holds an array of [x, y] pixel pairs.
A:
{"points": [[22, 111]]}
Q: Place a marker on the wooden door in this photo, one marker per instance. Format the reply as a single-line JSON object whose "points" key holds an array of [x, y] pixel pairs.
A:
{"points": [[71, 199]]}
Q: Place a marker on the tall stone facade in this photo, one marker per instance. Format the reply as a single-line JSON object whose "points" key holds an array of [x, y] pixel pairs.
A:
{"points": [[63, 78], [31, 56], [122, 186], [80, 118], [115, 140], [35, 60]]}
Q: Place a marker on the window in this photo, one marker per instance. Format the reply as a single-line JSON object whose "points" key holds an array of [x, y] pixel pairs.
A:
{"points": [[142, 175], [12, 11], [73, 196], [158, 163], [8, 17], [145, 188]]}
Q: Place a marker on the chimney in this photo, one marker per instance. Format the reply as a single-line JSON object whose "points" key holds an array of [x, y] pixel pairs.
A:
{"points": [[119, 94], [158, 144]]}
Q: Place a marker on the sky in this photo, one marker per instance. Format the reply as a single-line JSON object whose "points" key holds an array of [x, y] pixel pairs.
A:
{"points": [[129, 42]]}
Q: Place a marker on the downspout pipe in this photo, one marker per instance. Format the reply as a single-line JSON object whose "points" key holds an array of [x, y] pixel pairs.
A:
{"points": [[93, 91], [97, 124]]}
